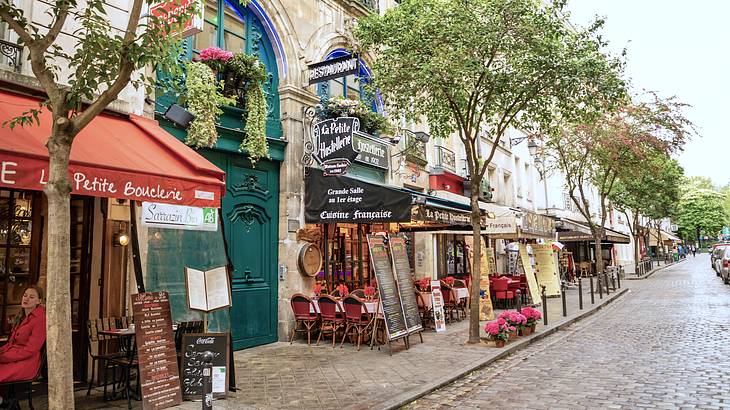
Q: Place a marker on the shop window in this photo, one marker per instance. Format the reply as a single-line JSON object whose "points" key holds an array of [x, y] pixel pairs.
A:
{"points": [[451, 258], [346, 255], [18, 251]]}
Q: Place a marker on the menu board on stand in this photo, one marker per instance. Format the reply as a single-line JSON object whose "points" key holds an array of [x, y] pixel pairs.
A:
{"points": [[532, 285], [159, 377], [437, 302], [395, 321], [546, 269], [194, 346], [402, 268]]}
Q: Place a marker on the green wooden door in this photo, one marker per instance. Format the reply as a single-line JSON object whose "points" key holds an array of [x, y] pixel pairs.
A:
{"points": [[250, 221]]}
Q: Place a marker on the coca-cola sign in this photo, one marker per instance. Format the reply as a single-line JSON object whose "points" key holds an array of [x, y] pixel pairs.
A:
{"points": [[335, 150]]}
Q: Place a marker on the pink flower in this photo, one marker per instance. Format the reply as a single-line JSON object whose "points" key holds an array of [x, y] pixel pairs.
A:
{"points": [[492, 328], [215, 53], [501, 321], [317, 288]]}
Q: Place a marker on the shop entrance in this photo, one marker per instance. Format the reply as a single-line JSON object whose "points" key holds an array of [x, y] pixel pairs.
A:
{"points": [[250, 222], [81, 231]]}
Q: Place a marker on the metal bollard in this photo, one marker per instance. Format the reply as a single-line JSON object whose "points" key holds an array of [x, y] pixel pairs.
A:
{"points": [[562, 296], [593, 295], [518, 296], [600, 286], [605, 281], [544, 307], [580, 293], [618, 278], [613, 280], [207, 381]]}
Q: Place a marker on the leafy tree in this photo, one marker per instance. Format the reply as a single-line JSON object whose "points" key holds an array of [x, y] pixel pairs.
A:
{"points": [[611, 147], [100, 65], [470, 67], [652, 192], [701, 212], [695, 182]]}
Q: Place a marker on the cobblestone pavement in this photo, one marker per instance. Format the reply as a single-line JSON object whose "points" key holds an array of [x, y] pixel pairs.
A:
{"points": [[664, 345]]}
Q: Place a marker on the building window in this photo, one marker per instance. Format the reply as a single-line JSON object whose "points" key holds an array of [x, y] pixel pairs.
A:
{"points": [[351, 87], [451, 256], [232, 37], [18, 251]]}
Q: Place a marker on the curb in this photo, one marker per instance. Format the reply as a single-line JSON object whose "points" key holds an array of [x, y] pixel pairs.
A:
{"points": [[654, 271], [406, 398]]}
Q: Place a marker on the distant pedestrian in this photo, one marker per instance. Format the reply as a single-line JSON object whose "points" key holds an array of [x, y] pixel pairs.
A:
{"points": [[694, 251]]}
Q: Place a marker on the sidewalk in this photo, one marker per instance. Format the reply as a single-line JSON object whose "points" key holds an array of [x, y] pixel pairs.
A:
{"points": [[298, 376], [657, 267]]}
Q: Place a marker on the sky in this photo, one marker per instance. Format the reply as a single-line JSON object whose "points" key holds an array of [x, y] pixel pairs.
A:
{"points": [[676, 48]]}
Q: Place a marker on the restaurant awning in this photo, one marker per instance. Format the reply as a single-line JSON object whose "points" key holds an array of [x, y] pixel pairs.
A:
{"points": [[126, 157], [666, 237], [574, 231]]}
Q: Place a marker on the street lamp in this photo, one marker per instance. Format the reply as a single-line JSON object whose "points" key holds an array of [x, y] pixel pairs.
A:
{"points": [[538, 156]]}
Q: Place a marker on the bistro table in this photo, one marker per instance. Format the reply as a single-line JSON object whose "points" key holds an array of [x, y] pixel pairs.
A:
{"points": [[370, 305]]}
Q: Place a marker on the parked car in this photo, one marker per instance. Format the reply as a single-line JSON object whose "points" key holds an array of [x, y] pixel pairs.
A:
{"points": [[716, 254], [723, 264]]}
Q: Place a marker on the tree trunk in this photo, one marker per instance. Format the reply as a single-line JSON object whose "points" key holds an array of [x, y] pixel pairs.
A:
{"points": [[598, 237], [58, 299], [474, 300]]}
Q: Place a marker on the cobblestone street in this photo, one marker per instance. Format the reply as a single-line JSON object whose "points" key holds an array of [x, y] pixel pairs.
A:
{"points": [[664, 345]]}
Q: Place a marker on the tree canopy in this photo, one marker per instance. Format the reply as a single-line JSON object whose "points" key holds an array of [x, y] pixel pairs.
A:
{"points": [[701, 212]]}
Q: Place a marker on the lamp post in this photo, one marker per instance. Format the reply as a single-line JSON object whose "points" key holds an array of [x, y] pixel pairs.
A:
{"points": [[534, 151]]}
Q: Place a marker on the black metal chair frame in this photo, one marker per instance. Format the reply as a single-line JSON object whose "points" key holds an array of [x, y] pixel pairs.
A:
{"points": [[13, 402]]}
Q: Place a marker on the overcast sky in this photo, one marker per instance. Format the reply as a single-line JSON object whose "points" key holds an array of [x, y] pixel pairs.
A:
{"points": [[677, 47]]}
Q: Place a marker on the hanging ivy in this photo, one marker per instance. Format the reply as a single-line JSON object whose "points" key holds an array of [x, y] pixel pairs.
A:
{"points": [[203, 100], [255, 141]]}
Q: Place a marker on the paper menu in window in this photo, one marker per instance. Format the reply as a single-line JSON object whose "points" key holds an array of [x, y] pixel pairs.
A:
{"points": [[195, 283], [217, 290]]}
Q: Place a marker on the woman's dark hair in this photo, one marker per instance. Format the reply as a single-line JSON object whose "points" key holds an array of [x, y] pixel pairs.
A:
{"points": [[20, 316]]}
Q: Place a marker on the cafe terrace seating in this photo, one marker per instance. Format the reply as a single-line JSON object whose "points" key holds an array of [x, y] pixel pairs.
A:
{"points": [[305, 316], [331, 320], [501, 290], [357, 318]]}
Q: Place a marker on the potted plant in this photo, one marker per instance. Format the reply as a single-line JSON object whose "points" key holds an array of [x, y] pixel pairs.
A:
{"points": [[242, 86], [424, 283], [532, 315], [342, 288], [369, 292], [449, 280], [204, 99], [370, 122], [215, 58], [317, 290], [514, 320], [499, 331]]}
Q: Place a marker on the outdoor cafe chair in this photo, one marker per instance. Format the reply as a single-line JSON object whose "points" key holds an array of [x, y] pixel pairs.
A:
{"points": [[450, 302], [331, 320], [305, 316], [357, 319], [423, 310], [359, 293], [501, 290], [93, 326]]}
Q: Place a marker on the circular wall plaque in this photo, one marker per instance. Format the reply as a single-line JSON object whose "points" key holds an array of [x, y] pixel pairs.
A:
{"points": [[310, 259]]}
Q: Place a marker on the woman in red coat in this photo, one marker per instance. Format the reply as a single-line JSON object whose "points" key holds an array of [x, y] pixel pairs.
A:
{"points": [[20, 357]]}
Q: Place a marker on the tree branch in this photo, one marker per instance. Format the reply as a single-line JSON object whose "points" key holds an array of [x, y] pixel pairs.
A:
{"points": [[125, 71], [56, 28]]}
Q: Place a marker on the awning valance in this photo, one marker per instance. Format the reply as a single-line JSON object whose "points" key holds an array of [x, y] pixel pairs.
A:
{"points": [[666, 237], [126, 157], [574, 231]]}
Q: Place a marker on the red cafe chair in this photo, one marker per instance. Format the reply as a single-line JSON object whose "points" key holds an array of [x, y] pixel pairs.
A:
{"points": [[501, 290], [305, 316], [331, 320], [357, 319]]}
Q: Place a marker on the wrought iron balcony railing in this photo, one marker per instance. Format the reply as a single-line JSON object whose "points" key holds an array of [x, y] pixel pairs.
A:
{"points": [[371, 4], [12, 53], [446, 159]]}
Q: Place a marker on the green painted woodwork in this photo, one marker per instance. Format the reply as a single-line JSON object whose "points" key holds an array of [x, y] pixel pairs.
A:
{"points": [[250, 212], [366, 173]]}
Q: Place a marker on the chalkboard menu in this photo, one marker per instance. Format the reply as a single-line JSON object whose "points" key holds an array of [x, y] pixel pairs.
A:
{"points": [[395, 322], [194, 345], [405, 283], [159, 378]]}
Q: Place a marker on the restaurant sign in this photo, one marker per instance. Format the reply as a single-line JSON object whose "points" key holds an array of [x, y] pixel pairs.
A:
{"points": [[335, 149], [502, 224], [537, 224], [170, 10], [334, 68], [169, 216], [370, 152], [340, 199], [429, 214]]}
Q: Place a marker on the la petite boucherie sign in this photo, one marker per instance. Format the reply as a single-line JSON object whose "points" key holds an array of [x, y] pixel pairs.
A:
{"points": [[169, 10]]}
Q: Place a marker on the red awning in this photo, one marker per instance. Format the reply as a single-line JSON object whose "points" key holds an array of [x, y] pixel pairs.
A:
{"points": [[115, 157]]}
